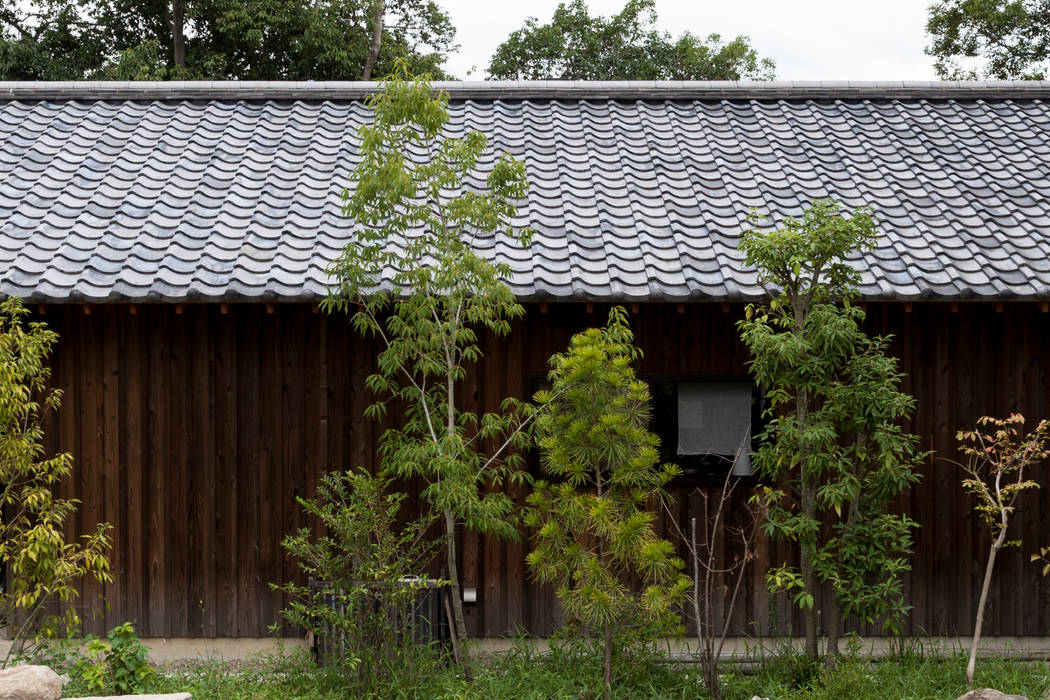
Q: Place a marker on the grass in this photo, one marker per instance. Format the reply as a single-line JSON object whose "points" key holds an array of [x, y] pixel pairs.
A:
{"points": [[573, 670]]}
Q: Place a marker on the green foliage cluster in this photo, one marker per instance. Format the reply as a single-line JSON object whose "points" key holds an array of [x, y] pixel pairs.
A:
{"points": [[42, 568], [116, 665], [833, 448], [917, 674], [997, 456], [221, 39], [626, 46], [994, 39], [572, 669], [412, 279], [593, 527], [366, 566]]}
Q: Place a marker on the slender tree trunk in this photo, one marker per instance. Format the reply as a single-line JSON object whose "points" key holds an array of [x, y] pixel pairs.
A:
{"points": [[178, 37], [377, 40], [834, 606], [809, 615], [809, 498], [833, 626], [450, 534], [458, 621], [979, 622], [805, 565]]}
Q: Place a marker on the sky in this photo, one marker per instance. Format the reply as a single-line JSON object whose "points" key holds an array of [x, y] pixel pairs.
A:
{"points": [[808, 39]]}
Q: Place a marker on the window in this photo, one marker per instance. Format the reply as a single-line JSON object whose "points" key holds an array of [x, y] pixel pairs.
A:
{"points": [[702, 424], [706, 427]]}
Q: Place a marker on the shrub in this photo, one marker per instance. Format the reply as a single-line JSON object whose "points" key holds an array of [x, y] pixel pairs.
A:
{"points": [[118, 664], [366, 572]]}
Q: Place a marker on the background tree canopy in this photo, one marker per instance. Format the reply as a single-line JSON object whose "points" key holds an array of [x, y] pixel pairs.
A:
{"points": [[220, 39], [627, 46], [996, 39]]}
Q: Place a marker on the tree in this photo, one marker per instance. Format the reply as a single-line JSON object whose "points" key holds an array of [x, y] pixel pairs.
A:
{"points": [[833, 446], [593, 529], [221, 39], [627, 46], [50, 41], [42, 568], [413, 280], [718, 524], [997, 39], [997, 460]]}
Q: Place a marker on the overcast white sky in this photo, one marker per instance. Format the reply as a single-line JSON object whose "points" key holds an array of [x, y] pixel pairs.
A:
{"points": [[808, 39]]}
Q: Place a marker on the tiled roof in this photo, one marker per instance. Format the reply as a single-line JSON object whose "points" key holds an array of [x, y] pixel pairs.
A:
{"points": [[639, 191]]}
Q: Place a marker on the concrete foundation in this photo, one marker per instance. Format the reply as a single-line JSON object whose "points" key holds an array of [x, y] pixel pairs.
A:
{"points": [[167, 650]]}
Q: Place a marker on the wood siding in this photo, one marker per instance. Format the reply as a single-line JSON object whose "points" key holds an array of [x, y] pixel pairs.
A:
{"points": [[194, 428]]}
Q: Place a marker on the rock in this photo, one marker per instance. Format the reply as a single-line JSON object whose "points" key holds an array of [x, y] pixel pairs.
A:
{"points": [[164, 696], [755, 697], [989, 694], [29, 683]]}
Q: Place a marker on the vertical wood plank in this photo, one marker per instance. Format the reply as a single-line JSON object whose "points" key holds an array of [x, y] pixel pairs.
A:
{"points": [[92, 474], [202, 542], [249, 467], [134, 422], [114, 488], [178, 486], [270, 375], [491, 392], [66, 423], [227, 488], [515, 577], [160, 591]]}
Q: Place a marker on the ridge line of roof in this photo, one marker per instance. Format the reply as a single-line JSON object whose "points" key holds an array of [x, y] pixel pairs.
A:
{"points": [[544, 89]]}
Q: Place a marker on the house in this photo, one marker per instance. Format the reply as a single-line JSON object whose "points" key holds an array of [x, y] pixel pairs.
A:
{"points": [[176, 235]]}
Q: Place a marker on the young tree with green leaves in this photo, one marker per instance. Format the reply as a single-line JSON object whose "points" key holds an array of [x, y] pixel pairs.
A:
{"points": [[42, 568], [997, 456], [994, 39], [594, 529], [833, 449], [412, 279], [626, 46]]}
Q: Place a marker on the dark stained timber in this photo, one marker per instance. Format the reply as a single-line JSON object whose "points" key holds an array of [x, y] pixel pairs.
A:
{"points": [[192, 433]]}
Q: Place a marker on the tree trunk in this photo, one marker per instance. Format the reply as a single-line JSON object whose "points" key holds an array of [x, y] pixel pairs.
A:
{"points": [[979, 622], [809, 498], [833, 626], [178, 37], [377, 40], [809, 510], [809, 615], [458, 621]]}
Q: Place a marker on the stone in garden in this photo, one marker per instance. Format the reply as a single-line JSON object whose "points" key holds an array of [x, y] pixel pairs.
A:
{"points": [[29, 683], [989, 694], [755, 697]]}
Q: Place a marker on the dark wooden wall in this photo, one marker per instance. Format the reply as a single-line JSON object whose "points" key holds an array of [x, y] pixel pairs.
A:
{"points": [[194, 427]]}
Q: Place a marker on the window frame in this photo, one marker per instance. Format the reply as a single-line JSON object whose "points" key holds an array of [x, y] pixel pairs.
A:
{"points": [[669, 453]]}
